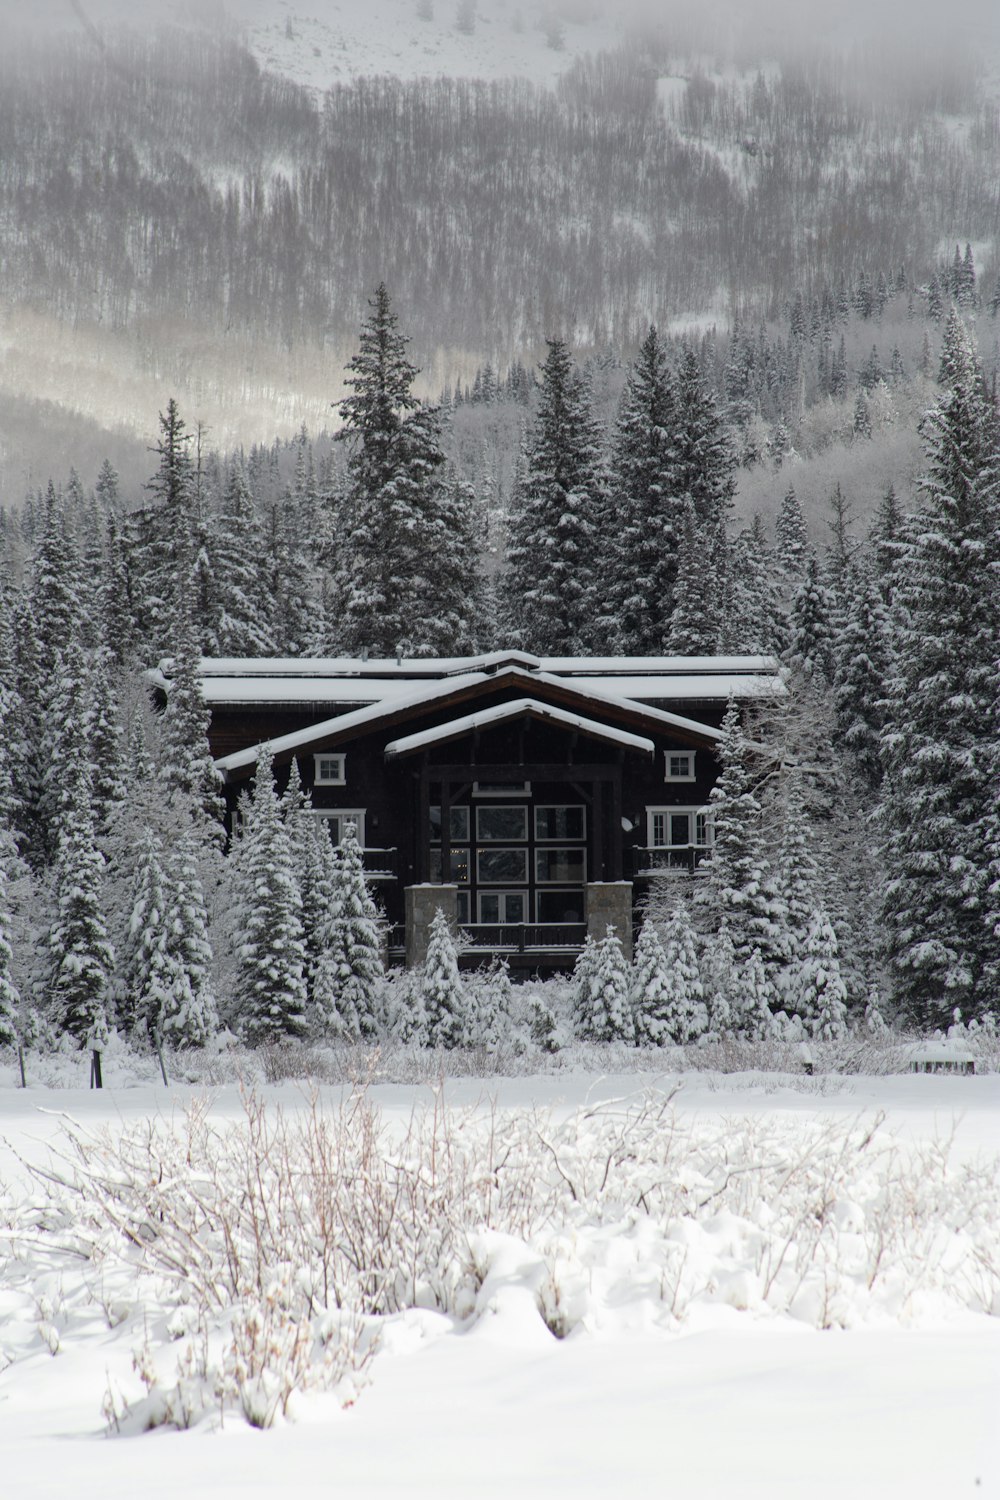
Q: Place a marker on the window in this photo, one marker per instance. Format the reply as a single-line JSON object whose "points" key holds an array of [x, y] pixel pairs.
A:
{"points": [[679, 765], [503, 906], [502, 866], [458, 825], [560, 866], [337, 821], [563, 823], [458, 860], [501, 789], [331, 770], [679, 827], [501, 825], [463, 909]]}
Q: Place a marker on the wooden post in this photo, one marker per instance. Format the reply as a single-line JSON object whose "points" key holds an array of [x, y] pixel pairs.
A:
{"points": [[159, 1054], [96, 1080], [20, 1063]]}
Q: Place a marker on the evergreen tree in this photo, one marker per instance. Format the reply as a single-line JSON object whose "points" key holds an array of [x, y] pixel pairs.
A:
{"points": [[817, 991], [551, 578], [10, 1000], [609, 1016], [162, 536], [408, 548], [190, 1016], [353, 939], [862, 668], [442, 992], [810, 626], [187, 770], [242, 626], [82, 958], [270, 982], [648, 513], [695, 618], [671, 1005], [940, 784], [754, 999]]}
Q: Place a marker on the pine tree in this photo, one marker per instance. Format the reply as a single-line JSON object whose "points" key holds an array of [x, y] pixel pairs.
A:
{"points": [[671, 1005], [648, 512], [187, 770], [270, 982], [695, 619], [242, 626], [862, 668], [10, 1000], [190, 1017], [755, 999], [408, 549], [162, 537], [817, 992], [738, 887], [552, 557], [810, 626], [490, 1004], [352, 939], [442, 992], [82, 958], [607, 1016], [940, 783]]}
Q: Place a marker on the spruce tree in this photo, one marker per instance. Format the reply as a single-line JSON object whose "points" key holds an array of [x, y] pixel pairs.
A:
{"points": [[82, 958], [938, 740], [817, 992], [270, 989], [672, 1005], [242, 626], [607, 1016], [551, 581], [353, 938], [442, 992], [187, 770], [10, 1000], [408, 546], [754, 999], [648, 512]]}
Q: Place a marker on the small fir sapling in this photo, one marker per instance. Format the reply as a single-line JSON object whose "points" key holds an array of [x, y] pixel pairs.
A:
{"points": [[584, 971], [719, 973], [754, 1000], [442, 992], [354, 937], [490, 1004], [819, 994], [649, 988], [610, 1017]]}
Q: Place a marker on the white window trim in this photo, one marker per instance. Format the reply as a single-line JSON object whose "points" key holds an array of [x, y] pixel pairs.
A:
{"points": [[516, 789], [546, 849], [456, 838], [355, 815], [690, 754], [340, 780], [521, 849], [507, 838], [502, 896], [693, 814]]}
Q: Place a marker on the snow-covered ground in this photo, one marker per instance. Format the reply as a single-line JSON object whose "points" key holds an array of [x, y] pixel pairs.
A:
{"points": [[713, 1388]]}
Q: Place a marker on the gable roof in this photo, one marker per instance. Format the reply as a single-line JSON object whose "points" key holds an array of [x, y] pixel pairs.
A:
{"points": [[573, 697], [455, 728]]}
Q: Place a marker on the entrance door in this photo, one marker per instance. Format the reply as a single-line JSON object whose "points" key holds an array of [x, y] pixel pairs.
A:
{"points": [[503, 906]]}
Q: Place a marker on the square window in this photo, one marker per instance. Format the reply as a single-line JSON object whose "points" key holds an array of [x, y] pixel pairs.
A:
{"points": [[503, 906], [560, 823], [331, 770], [502, 866], [501, 825], [680, 765]]}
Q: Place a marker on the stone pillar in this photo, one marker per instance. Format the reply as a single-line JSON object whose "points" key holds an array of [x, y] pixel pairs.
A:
{"points": [[610, 902], [422, 901]]}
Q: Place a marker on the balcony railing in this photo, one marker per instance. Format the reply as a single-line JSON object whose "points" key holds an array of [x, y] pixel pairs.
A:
{"points": [[679, 859], [381, 864], [524, 937]]}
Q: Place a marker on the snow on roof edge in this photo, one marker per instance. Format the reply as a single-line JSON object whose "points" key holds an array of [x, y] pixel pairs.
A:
{"points": [[515, 709]]}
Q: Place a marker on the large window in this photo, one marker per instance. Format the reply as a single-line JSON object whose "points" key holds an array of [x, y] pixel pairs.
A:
{"points": [[502, 866], [679, 828], [458, 825], [501, 825], [503, 906], [562, 823], [560, 866], [459, 866], [338, 820]]}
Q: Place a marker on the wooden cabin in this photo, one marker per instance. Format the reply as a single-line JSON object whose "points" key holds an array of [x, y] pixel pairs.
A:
{"points": [[532, 798]]}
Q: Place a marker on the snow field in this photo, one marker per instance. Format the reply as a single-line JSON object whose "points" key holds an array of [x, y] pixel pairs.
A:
{"points": [[551, 1254]]}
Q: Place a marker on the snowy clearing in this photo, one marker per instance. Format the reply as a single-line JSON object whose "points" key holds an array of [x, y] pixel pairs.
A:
{"points": [[761, 1287]]}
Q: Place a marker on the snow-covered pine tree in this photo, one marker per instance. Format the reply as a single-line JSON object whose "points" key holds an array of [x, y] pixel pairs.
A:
{"points": [[862, 668], [817, 993], [791, 541], [353, 938], [442, 992], [408, 544], [490, 1004], [147, 965], [693, 629], [737, 887], [667, 994], [270, 987], [243, 626], [187, 770], [649, 988], [106, 747], [648, 512], [608, 1015], [754, 1000], [551, 580], [10, 1000], [939, 738], [81, 955], [719, 970], [161, 538], [810, 626], [190, 1016]]}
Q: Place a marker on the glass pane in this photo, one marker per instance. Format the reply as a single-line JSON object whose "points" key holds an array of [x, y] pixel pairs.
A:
{"points": [[680, 828], [560, 906], [463, 908], [458, 821], [459, 862], [514, 906], [489, 908], [559, 823], [503, 866], [680, 766], [560, 866], [659, 830], [501, 823]]}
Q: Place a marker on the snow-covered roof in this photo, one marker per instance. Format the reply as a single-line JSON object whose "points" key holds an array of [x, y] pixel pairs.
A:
{"points": [[425, 695], [516, 710]]}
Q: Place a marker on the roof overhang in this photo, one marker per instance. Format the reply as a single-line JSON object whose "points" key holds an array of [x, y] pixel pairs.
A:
{"points": [[519, 708]]}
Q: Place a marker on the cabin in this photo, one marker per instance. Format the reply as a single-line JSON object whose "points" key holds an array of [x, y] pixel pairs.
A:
{"points": [[532, 798]]}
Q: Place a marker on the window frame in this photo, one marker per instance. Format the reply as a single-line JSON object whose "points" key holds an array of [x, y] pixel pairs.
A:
{"points": [[541, 838], [508, 880], [700, 815], [507, 838], [577, 850], [689, 756], [495, 789], [355, 815], [322, 755]]}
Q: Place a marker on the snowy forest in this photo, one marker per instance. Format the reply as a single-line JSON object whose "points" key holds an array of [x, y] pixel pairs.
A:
{"points": [[855, 874]]}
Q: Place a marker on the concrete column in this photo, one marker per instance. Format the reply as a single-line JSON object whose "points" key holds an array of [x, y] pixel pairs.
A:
{"points": [[610, 902], [422, 901]]}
